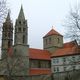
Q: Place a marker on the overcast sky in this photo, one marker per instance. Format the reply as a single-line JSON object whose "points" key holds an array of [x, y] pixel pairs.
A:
{"points": [[41, 16]]}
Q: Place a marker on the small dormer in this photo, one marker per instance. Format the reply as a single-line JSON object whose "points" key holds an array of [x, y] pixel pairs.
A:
{"points": [[52, 40]]}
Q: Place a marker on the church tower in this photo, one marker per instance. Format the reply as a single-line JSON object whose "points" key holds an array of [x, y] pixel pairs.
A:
{"points": [[21, 29], [7, 36], [52, 41], [21, 47]]}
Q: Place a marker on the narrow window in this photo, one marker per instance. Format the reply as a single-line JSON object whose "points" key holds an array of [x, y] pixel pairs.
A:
{"points": [[23, 38], [19, 22], [58, 40], [50, 40], [9, 44], [64, 59], [46, 41], [64, 68], [24, 29], [19, 29], [23, 22], [14, 50], [54, 69], [53, 60], [73, 58], [57, 60]]}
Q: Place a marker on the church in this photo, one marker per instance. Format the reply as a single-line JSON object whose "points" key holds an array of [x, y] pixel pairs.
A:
{"points": [[20, 62]]}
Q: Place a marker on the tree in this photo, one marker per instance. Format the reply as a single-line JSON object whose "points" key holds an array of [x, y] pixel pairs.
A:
{"points": [[72, 25], [3, 13], [3, 10]]}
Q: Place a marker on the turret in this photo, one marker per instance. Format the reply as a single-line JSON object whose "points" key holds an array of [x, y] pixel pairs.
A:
{"points": [[52, 40]]}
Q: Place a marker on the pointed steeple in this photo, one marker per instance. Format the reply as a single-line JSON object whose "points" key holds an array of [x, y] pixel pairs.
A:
{"points": [[21, 13], [8, 17]]}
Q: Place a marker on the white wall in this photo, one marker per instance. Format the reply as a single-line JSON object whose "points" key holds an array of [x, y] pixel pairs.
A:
{"points": [[71, 62]]}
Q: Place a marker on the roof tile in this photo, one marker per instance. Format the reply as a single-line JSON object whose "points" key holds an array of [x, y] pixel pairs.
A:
{"points": [[69, 48]]}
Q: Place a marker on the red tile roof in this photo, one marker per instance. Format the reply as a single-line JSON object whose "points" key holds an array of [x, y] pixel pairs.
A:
{"points": [[37, 71], [64, 52], [39, 54], [35, 54], [69, 48], [70, 44], [52, 32]]}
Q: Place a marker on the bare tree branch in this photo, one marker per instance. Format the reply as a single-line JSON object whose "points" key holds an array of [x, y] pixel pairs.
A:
{"points": [[72, 25], [3, 11]]}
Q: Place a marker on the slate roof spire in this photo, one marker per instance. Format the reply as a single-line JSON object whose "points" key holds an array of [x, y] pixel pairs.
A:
{"points": [[21, 13], [8, 17]]}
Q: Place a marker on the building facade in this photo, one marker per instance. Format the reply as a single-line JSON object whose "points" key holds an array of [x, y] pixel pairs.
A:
{"points": [[20, 62], [65, 62]]}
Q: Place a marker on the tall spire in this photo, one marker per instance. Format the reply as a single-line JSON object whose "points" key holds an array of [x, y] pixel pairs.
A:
{"points": [[21, 13], [8, 17]]}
